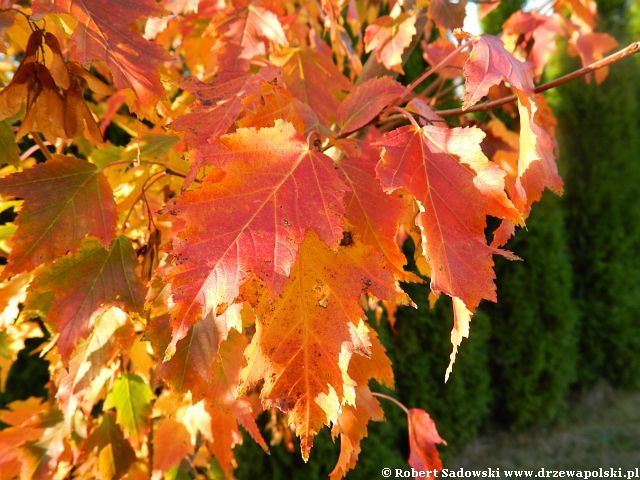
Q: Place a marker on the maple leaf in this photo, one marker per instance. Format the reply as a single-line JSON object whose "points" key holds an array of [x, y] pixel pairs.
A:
{"points": [[373, 214], [115, 453], [353, 419], [461, 324], [253, 28], [388, 37], [208, 362], [218, 104], [541, 30], [104, 33], [251, 220], [194, 364], [446, 14], [78, 287], [593, 46], [365, 102], [24, 420], [131, 398], [274, 103], [171, 444], [436, 52], [38, 458], [529, 172], [65, 199], [352, 427], [90, 357], [488, 64], [300, 334], [456, 187], [583, 12], [503, 146], [537, 167], [228, 408], [423, 438], [314, 79], [224, 375]]}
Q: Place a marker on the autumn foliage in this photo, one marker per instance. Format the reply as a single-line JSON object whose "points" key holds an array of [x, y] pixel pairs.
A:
{"points": [[204, 198]]}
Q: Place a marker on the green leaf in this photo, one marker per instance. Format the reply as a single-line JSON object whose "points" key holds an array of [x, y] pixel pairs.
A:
{"points": [[131, 397], [9, 152]]}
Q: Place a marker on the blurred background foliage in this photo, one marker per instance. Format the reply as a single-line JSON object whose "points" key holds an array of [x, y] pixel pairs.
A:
{"points": [[567, 317]]}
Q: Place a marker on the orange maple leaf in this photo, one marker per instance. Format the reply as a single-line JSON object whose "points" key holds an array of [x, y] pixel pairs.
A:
{"points": [[365, 102], [423, 438], [314, 79], [305, 336], [457, 188], [388, 37], [488, 65]]}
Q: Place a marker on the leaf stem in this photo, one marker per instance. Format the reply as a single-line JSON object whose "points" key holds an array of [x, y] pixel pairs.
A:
{"points": [[629, 50], [392, 400], [406, 115], [41, 144], [145, 186]]}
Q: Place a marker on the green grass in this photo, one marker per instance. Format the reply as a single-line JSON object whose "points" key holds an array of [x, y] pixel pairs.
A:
{"points": [[602, 430]]}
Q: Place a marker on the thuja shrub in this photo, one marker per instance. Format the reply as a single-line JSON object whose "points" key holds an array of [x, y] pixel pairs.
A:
{"points": [[203, 199], [604, 221], [535, 326]]}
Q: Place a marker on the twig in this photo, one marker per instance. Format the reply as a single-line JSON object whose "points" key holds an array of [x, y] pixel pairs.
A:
{"points": [[141, 196], [444, 92], [432, 87], [436, 67], [629, 50]]}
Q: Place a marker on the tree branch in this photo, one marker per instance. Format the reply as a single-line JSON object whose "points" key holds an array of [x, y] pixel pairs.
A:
{"points": [[629, 50]]}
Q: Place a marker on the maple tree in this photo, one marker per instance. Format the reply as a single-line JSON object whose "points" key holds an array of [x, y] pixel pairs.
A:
{"points": [[204, 200]]}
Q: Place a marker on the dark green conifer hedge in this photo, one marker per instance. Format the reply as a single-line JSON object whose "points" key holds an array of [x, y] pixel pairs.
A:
{"points": [[535, 323], [599, 140]]}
